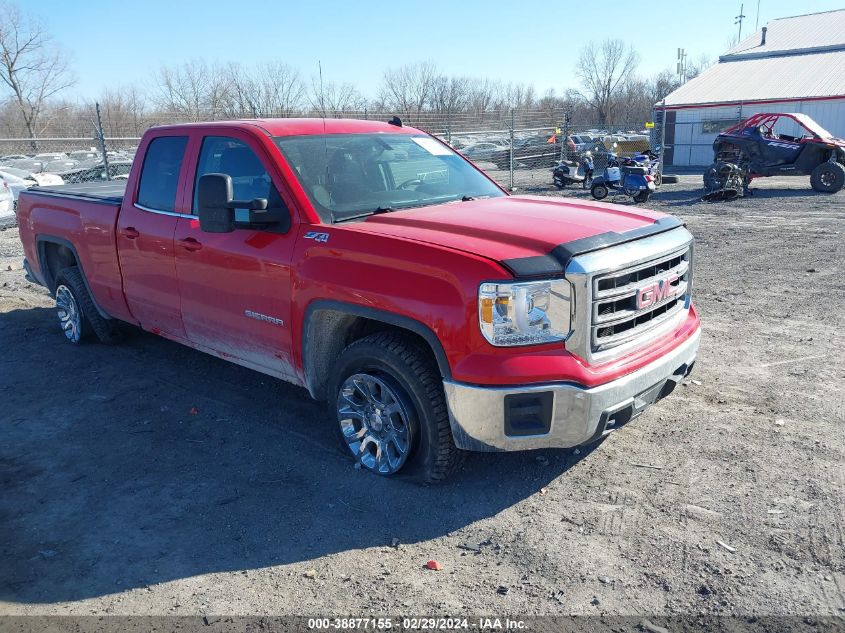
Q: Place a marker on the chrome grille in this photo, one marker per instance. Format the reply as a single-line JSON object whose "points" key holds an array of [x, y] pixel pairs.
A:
{"points": [[628, 303]]}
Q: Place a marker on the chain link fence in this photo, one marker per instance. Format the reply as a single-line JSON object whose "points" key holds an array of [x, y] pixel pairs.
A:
{"points": [[517, 148]]}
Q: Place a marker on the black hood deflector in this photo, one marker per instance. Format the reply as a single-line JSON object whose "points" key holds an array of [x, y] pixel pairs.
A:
{"points": [[554, 264]]}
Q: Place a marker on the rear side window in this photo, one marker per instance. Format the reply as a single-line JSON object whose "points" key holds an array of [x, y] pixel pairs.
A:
{"points": [[160, 172]]}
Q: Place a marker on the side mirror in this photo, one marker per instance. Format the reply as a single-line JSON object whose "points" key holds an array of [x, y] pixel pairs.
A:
{"points": [[214, 199], [217, 208]]}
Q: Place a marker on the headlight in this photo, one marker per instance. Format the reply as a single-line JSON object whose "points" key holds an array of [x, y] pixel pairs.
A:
{"points": [[525, 313]]}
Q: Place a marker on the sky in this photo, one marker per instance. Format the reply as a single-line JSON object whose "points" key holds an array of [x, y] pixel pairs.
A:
{"points": [[111, 43]]}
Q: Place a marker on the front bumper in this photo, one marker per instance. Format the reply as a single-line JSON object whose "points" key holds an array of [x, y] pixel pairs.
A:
{"points": [[559, 415]]}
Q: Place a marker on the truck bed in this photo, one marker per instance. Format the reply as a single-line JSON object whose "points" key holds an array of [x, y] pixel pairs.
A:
{"points": [[106, 191]]}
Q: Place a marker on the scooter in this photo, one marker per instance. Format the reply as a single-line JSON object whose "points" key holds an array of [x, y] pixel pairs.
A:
{"points": [[569, 172], [651, 162], [632, 180]]}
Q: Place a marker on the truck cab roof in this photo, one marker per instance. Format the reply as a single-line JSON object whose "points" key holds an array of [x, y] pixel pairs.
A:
{"points": [[302, 127]]}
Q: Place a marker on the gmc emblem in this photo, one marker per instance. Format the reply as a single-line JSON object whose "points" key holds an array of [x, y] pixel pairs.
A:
{"points": [[657, 291]]}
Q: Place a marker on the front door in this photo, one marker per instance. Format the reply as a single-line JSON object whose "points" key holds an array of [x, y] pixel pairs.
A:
{"points": [[235, 287], [145, 229]]}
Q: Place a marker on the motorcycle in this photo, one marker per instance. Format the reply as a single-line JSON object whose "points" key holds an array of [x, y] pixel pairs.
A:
{"points": [[631, 179], [570, 172]]}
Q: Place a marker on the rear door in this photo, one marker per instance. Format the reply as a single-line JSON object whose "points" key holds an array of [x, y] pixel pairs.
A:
{"points": [[235, 287], [145, 229]]}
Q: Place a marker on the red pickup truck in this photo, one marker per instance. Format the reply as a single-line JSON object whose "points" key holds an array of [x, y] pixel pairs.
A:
{"points": [[375, 266]]}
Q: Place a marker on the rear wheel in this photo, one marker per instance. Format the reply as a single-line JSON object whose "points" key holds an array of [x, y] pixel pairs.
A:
{"points": [[828, 177], [599, 192], [387, 395], [78, 316]]}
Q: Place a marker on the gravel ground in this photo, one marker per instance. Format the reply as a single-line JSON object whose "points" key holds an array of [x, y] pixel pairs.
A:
{"points": [[148, 478]]}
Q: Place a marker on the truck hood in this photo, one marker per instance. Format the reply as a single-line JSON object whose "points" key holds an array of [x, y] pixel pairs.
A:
{"points": [[529, 235]]}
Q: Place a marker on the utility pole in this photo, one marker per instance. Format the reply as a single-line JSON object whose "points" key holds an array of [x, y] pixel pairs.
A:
{"points": [[682, 65], [738, 20], [757, 21]]}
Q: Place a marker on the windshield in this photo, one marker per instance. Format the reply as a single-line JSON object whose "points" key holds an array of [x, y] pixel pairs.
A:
{"points": [[354, 175]]}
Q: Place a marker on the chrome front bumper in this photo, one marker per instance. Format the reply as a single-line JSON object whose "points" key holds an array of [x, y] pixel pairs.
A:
{"points": [[566, 415]]}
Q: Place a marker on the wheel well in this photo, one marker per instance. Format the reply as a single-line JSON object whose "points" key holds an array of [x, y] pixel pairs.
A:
{"points": [[328, 332], [55, 257]]}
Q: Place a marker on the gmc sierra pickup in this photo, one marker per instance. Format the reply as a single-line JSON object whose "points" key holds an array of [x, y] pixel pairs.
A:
{"points": [[373, 265]]}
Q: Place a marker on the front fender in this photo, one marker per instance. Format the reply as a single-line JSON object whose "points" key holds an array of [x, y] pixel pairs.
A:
{"points": [[428, 289]]}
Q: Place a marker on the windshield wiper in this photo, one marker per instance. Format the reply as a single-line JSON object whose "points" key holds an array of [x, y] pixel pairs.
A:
{"points": [[366, 214]]}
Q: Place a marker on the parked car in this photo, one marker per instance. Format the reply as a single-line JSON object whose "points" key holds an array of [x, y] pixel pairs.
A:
{"points": [[431, 310], [30, 165], [15, 183], [82, 154], [530, 152], [482, 150], [41, 179], [97, 172], [7, 198], [48, 156], [10, 157], [579, 143], [60, 166]]}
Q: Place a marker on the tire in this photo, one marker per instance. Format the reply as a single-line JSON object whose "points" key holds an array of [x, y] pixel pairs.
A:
{"points": [[599, 192], [711, 178], [828, 177], [78, 316], [642, 196], [587, 183], [400, 375], [658, 179]]}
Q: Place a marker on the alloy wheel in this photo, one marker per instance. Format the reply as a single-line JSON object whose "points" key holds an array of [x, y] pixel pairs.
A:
{"points": [[70, 316], [374, 422]]}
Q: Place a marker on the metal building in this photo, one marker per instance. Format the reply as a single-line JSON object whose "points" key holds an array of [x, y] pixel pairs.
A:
{"points": [[794, 64]]}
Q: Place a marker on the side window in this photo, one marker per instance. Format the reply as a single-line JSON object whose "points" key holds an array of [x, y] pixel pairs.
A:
{"points": [[160, 172], [250, 180]]}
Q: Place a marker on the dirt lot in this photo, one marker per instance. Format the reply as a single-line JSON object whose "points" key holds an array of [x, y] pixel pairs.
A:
{"points": [[117, 500]]}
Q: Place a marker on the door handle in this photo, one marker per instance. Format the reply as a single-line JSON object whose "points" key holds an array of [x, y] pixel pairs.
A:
{"points": [[130, 233], [189, 244]]}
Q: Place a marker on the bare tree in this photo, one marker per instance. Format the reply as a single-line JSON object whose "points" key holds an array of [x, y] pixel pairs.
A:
{"points": [[332, 99], [409, 89], [122, 110], [193, 90], [450, 95], [603, 70], [32, 67], [482, 96]]}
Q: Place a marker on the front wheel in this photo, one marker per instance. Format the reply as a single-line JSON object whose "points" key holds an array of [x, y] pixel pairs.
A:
{"points": [[599, 192], [642, 196], [658, 178], [387, 397]]}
